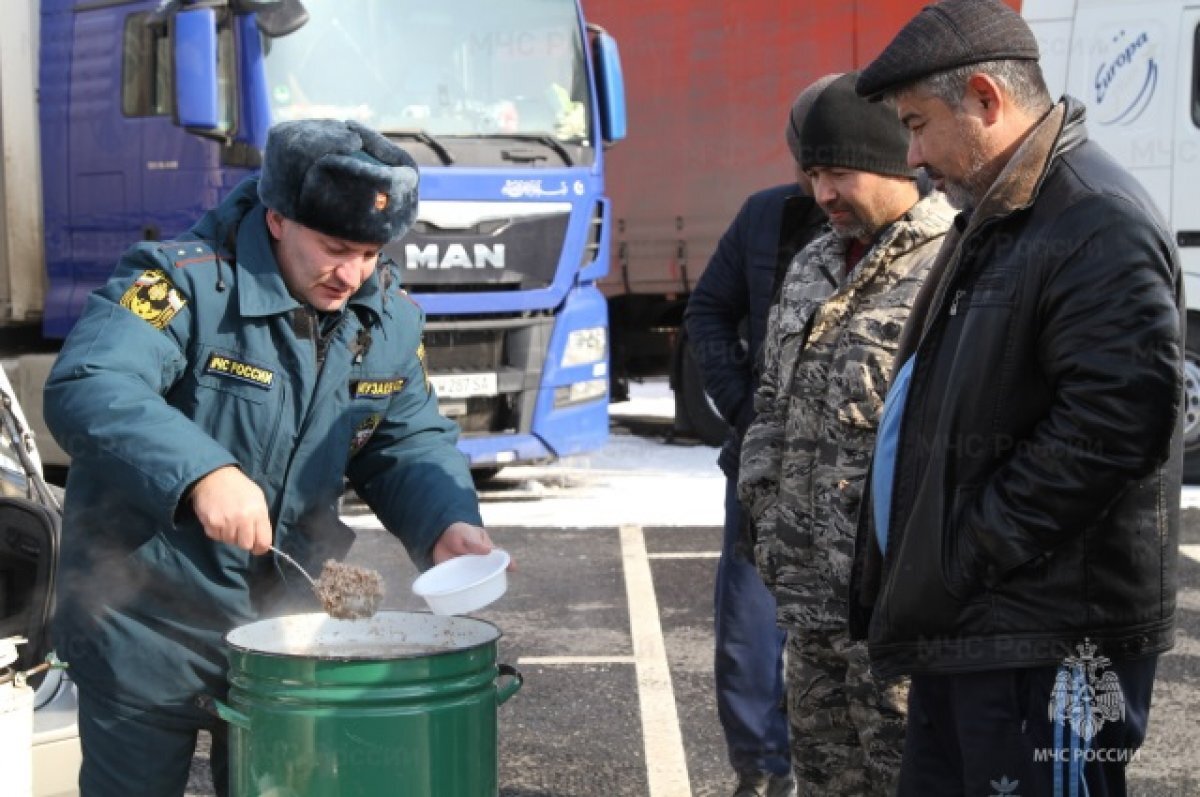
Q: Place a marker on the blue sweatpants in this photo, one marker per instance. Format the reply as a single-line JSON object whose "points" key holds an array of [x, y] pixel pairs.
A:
{"points": [[749, 658], [993, 732]]}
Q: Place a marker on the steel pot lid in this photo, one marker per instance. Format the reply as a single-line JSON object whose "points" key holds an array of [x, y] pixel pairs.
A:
{"points": [[387, 635]]}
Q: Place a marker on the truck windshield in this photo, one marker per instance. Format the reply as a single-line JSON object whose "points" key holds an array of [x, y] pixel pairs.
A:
{"points": [[452, 68]]}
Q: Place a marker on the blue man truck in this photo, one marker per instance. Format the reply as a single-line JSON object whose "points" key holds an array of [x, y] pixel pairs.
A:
{"points": [[141, 114]]}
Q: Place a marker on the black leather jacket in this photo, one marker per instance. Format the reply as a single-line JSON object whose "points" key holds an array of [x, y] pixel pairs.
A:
{"points": [[1036, 497]]}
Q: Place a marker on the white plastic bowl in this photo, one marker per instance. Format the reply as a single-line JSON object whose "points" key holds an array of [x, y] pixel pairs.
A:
{"points": [[465, 583]]}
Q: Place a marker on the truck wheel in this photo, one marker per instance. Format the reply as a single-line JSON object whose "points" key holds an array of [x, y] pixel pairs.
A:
{"points": [[1191, 403], [701, 414]]}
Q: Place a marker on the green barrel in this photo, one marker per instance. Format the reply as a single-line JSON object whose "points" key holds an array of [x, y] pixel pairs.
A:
{"points": [[403, 703]]}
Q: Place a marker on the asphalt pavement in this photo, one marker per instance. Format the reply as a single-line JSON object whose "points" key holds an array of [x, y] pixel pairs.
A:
{"points": [[611, 627]]}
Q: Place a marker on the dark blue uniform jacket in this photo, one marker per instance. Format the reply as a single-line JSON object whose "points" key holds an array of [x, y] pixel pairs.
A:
{"points": [[195, 356]]}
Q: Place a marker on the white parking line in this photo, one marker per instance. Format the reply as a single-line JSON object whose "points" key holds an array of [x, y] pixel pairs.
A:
{"points": [[687, 555], [1192, 551], [568, 660], [666, 764]]}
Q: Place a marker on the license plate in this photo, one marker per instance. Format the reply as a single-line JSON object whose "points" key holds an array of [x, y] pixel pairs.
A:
{"points": [[451, 386]]}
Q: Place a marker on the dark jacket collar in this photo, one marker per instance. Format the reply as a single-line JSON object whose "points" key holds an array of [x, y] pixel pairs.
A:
{"points": [[1060, 130], [260, 286]]}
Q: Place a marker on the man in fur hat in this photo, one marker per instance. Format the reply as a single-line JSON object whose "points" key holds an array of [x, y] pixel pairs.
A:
{"points": [[213, 397]]}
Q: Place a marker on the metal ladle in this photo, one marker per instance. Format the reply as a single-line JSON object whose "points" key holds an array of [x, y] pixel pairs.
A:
{"points": [[296, 565]]}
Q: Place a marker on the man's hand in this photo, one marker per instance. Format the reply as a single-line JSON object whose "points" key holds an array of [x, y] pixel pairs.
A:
{"points": [[233, 509], [462, 538]]}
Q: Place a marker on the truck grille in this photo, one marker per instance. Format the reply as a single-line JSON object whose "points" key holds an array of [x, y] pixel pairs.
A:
{"points": [[513, 348], [486, 247], [464, 350]]}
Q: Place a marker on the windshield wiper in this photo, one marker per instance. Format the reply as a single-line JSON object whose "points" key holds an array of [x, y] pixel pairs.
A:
{"points": [[541, 138], [423, 136]]}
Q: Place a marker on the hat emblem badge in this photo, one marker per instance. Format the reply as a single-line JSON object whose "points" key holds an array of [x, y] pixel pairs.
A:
{"points": [[381, 200]]}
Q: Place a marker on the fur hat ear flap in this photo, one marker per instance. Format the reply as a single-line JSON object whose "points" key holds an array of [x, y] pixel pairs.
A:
{"points": [[340, 178]]}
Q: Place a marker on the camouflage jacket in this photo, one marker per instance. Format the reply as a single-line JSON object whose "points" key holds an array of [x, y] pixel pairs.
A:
{"points": [[826, 361]]}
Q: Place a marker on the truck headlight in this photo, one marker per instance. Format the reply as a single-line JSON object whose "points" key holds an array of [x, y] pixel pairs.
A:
{"points": [[585, 346], [579, 392]]}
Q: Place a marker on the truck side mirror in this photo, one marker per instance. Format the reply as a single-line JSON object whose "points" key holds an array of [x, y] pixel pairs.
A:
{"points": [[252, 6], [610, 84], [286, 16], [195, 56]]}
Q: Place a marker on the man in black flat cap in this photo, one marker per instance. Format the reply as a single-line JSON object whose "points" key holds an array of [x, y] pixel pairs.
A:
{"points": [[213, 397], [1018, 554]]}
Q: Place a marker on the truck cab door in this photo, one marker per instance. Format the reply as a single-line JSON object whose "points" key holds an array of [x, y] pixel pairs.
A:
{"points": [[104, 155], [1136, 66], [1123, 66], [1185, 207], [1185, 222]]}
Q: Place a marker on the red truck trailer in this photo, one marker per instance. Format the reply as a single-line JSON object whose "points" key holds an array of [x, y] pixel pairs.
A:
{"points": [[708, 87]]}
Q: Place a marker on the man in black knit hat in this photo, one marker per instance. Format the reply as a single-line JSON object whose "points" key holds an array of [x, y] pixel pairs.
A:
{"points": [[826, 359], [1018, 554]]}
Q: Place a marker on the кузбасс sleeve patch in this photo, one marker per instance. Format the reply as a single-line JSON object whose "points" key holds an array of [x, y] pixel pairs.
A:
{"points": [[153, 298], [424, 365]]}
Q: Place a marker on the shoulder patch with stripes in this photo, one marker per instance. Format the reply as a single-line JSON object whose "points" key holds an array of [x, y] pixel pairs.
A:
{"points": [[186, 253], [152, 297]]}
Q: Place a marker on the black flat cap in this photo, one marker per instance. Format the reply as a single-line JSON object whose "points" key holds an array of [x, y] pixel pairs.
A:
{"points": [[945, 36]]}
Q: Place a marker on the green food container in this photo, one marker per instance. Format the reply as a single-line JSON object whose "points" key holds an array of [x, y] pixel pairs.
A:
{"points": [[402, 703]]}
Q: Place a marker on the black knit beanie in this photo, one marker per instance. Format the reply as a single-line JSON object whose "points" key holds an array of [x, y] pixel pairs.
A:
{"points": [[847, 131], [800, 108]]}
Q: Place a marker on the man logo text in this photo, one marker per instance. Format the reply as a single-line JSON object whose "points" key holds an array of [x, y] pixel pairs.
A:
{"points": [[456, 256]]}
